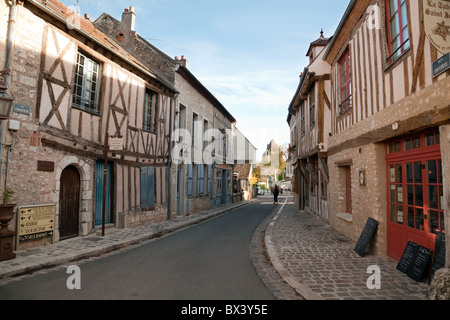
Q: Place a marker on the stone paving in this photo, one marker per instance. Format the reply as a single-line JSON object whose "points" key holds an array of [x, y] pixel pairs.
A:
{"points": [[320, 264], [296, 255]]}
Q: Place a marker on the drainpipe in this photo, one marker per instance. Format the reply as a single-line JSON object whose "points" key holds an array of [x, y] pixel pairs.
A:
{"points": [[6, 77], [169, 163]]}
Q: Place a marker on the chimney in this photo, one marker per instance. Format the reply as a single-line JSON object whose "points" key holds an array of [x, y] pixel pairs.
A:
{"points": [[182, 62], [129, 18]]}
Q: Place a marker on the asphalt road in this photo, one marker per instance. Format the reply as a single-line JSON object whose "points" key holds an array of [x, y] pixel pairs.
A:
{"points": [[209, 261]]}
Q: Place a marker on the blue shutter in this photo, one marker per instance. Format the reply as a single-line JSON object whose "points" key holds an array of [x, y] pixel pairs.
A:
{"points": [[147, 187], [209, 179], [144, 188], [200, 179], [190, 180], [151, 186]]}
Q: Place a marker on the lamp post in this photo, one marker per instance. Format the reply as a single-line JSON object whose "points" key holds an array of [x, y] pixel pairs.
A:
{"points": [[6, 210]]}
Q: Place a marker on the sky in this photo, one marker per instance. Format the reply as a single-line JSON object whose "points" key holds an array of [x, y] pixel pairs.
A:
{"points": [[248, 53]]}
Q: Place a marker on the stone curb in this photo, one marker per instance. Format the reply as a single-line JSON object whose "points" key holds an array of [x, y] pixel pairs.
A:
{"points": [[300, 288]]}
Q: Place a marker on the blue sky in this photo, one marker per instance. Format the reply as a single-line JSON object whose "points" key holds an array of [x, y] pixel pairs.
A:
{"points": [[248, 53]]}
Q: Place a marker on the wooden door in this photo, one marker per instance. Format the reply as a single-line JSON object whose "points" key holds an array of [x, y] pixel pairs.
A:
{"points": [[99, 180], [69, 203]]}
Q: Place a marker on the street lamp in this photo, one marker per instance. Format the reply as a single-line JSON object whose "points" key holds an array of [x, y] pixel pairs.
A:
{"points": [[5, 102]]}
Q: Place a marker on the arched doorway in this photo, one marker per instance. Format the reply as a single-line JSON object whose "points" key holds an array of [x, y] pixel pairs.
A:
{"points": [[69, 203]]}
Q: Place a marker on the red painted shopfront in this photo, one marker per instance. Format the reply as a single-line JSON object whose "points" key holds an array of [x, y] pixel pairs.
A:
{"points": [[414, 191]]}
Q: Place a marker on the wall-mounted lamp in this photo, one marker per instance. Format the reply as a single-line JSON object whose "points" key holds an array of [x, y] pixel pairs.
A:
{"points": [[6, 102]]}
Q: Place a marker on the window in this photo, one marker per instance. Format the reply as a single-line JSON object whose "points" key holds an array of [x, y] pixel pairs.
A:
{"points": [[150, 110], [345, 83], [147, 187], [397, 29], [348, 190], [195, 128], [302, 115], [312, 108], [86, 87]]}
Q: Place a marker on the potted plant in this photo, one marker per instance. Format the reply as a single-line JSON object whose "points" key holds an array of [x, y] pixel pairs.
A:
{"points": [[6, 210]]}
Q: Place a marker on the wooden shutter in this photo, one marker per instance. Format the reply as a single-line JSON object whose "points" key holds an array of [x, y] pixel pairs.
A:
{"points": [[190, 180]]}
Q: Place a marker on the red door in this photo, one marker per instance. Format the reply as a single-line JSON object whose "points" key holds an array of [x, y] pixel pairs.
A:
{"points": [[414, 192]]}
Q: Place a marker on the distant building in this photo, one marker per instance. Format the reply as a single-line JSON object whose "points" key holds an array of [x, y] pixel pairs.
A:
{"points": [[309, 119]]}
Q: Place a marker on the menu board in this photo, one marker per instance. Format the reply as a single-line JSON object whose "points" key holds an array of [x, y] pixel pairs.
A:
{"points": [[407, 257], [366, 236], [414, 261], [439, 254]]}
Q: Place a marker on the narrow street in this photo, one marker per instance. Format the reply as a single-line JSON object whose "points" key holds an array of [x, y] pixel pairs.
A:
{"points": [[209, 261]]}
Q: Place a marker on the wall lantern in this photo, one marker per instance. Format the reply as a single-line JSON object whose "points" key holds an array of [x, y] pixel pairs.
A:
{"points": [[6, 102]]}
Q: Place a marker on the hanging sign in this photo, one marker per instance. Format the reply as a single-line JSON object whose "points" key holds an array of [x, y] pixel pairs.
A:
{"points": [[116, 144], [437, 24]]}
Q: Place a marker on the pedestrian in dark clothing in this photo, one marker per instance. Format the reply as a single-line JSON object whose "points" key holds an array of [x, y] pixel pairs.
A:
{"points": [[276, 191]]}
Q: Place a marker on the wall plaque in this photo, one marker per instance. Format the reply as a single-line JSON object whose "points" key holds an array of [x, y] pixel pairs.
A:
{"points": [[46, 166]]}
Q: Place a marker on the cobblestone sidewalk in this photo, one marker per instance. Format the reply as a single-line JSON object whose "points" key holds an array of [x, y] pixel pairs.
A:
{"points": [[320, 263]]}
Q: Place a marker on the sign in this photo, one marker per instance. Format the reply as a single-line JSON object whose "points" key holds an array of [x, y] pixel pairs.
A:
{"points": [[19, 108], [437, 24], [441, 65], [414, 261], [407, 257], [439, 254], [419, 263], [45, 166], [366, 236], [35, 222], [116, 144]]}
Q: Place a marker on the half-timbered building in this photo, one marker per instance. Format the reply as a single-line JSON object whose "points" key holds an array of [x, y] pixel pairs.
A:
{"points": [[195, 185], [309, 120], [87, 112], [388, 154]]}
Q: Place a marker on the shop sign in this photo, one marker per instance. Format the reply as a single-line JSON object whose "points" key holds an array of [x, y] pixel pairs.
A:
{"points": [[437, 24], [35, 222]]}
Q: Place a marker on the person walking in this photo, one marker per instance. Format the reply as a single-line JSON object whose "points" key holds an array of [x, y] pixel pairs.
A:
{"points": [[276, 191]]}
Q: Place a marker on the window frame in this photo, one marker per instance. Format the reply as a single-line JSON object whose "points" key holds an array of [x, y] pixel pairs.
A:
{"points": [[390, 17], [150, 111], [78, 98], [312, 107], [348, 189], [347, 84]]}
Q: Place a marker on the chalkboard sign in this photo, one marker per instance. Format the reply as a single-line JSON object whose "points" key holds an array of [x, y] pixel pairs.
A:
{"points": [[407, 257], [439, 254], [420, 263], [366, 236]]}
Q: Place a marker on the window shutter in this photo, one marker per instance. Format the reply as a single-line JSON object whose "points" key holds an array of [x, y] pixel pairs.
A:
{"points": [[151, 186], [147, 187], [144, 188], [190, 180], [209, 178], [200, 179]]}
